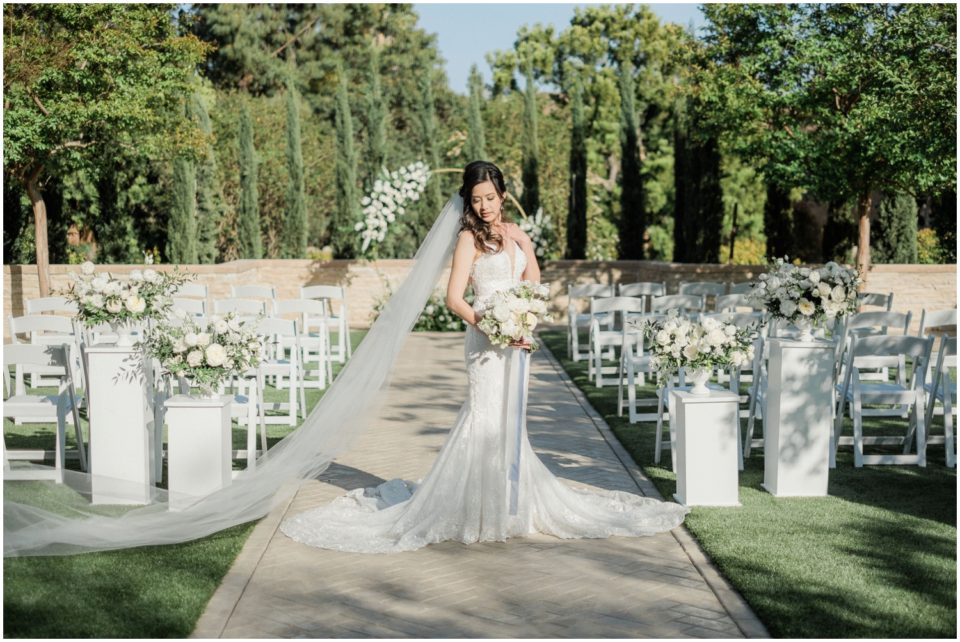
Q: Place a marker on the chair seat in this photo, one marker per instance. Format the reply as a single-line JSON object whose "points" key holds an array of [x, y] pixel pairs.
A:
{"points": [[883, 393], [29, 405]]}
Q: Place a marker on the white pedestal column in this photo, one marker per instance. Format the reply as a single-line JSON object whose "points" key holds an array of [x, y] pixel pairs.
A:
{"points": [[798, 418], [199, 448], [120, 394], [707, 443]]}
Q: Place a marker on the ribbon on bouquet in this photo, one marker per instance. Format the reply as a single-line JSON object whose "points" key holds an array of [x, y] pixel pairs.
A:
{"points": [[515, 421]]}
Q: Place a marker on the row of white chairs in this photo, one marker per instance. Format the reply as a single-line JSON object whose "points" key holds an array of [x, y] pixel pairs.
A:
{"points": [[862, 384]]}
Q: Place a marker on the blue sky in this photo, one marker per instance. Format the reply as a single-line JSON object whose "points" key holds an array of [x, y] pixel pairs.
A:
{"points": [[467, 32]]}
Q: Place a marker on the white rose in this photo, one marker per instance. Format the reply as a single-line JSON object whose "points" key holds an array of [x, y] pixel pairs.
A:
{"points": [[663, 337], [114, 306], [150, 276], [814, 276], [195, 358], [690, 351], [216, 354], [203, 339], [95, 300], [112, 287], [234, 324], [190, 339], [730, 329], [807, 308], [530, 320], [716, 337], [179, 346], [135, 304], [838, 293], [136, 275], [99, 284], [787, 307], [510, 329], [220, 326], [501, 312], [87, 267]]}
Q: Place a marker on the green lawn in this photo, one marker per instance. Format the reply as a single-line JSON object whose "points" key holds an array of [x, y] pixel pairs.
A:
{"points": [[877, 558], [148, 592]]}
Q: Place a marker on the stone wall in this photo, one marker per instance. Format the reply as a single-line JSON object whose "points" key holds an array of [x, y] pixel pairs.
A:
{"points": [[915, 287]]}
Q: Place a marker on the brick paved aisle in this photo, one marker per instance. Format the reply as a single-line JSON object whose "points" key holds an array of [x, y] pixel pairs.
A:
{"points": [[539, 587]]}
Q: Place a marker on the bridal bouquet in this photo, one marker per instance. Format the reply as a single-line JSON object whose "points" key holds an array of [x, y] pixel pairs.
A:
{"points": [[101, 298], [677, 342], [511, 315], [206, 354], [805, 296]]}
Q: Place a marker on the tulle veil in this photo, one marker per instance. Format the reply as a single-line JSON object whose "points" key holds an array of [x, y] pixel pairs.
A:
{"points": [[63, 522]]}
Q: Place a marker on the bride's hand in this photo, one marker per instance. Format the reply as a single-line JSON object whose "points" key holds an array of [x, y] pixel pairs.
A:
{"points": [[522, 343]]}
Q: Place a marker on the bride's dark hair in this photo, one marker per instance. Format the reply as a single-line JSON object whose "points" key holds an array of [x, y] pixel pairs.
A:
{"points": [[473, 174]]}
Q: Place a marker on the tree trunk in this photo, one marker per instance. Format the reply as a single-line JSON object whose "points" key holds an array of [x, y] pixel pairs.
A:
{"points": [[863, 240], [40, 230]]}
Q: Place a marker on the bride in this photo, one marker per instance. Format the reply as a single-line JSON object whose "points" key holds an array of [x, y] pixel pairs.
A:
{"points": [[466, 495]]}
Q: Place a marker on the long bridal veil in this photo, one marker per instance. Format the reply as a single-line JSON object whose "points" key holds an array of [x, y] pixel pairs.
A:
{"points": [[58, 520]]}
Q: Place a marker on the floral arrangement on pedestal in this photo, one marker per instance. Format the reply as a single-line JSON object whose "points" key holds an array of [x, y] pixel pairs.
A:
{"points": [[807, 296], [696, 346], [206, 354], [102, 298], [388, 200], [511, 315]]}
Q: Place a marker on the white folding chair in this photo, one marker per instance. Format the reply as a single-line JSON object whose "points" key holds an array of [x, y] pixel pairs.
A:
{"points": [[192, 291], [703, 288], [193, 307], [60, 408], [577, 319], [329, 294], [281, 337], [246, 309], [875, 299], [55, 304], [735, 303], [743, 287], [635, 366], [315, 345], [686, 303], [44, 329], [935, 319], [608, 339], [875, 323], [253, 291], [644, 289], [874, 352], [943, 389]]}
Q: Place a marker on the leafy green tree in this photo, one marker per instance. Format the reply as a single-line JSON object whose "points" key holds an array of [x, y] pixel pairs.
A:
{"points": [[294, 243], [376, 123], [430, 145], [839, 99], [251, 244], [182, 242], [896, 231], [83, 78], [530, 199], [475, 147], [347, 214], [210, 205], [577, 210], [632, 215]]}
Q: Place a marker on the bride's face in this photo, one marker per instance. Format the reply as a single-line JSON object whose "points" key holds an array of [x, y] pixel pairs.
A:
{"points": [[486, 203]]}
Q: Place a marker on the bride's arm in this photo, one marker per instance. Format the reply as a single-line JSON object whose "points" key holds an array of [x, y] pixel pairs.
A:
{"points": [[463, 257], [532, 271]]}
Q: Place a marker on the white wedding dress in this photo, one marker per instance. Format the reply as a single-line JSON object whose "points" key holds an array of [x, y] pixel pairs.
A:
{"points": [[466, 495]]}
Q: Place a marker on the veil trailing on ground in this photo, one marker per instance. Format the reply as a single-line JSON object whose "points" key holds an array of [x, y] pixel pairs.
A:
{"points": [[59, 520]]}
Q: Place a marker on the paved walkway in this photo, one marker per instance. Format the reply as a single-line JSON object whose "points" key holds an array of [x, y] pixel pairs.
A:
{"points": [[539, 587]]}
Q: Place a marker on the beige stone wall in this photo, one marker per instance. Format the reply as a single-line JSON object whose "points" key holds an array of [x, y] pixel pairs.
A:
{"points": [[915, 287]]}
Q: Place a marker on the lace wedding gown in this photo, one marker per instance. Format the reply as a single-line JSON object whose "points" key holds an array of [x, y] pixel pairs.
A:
{"points": [[465, 496]]}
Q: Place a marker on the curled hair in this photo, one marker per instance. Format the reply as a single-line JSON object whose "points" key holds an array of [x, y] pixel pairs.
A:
{"points": [[473, 174]]}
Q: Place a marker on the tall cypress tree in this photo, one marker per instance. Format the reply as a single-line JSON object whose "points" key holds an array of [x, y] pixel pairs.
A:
{"points": [[347, 212], [577, 210], [248, 233], [294, 235], [895, 235], [778, 222], [531, 147], [475, 147], [428, 124], [698, 212], [376, 123], [182, 228], [632, 206], [210, 204]]}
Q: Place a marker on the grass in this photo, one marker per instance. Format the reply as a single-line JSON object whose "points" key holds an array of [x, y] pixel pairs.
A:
{"points": [[876, 558], [147, 592]]}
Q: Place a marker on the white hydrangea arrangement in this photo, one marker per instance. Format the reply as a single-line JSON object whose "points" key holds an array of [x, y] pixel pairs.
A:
{"points": [[388, 200], [539, 228], [205, 354], [511, 315], [437, 317], [677, 342], [102, 298], [807, 295]]}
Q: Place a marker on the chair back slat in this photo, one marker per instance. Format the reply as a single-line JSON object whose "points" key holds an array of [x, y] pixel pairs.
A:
{"points": [[616, 304], [50, 304], [192, 291], [683, 302], [253, 291], [937, 318], [648, 288], [889, 346], [703, 288]]}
